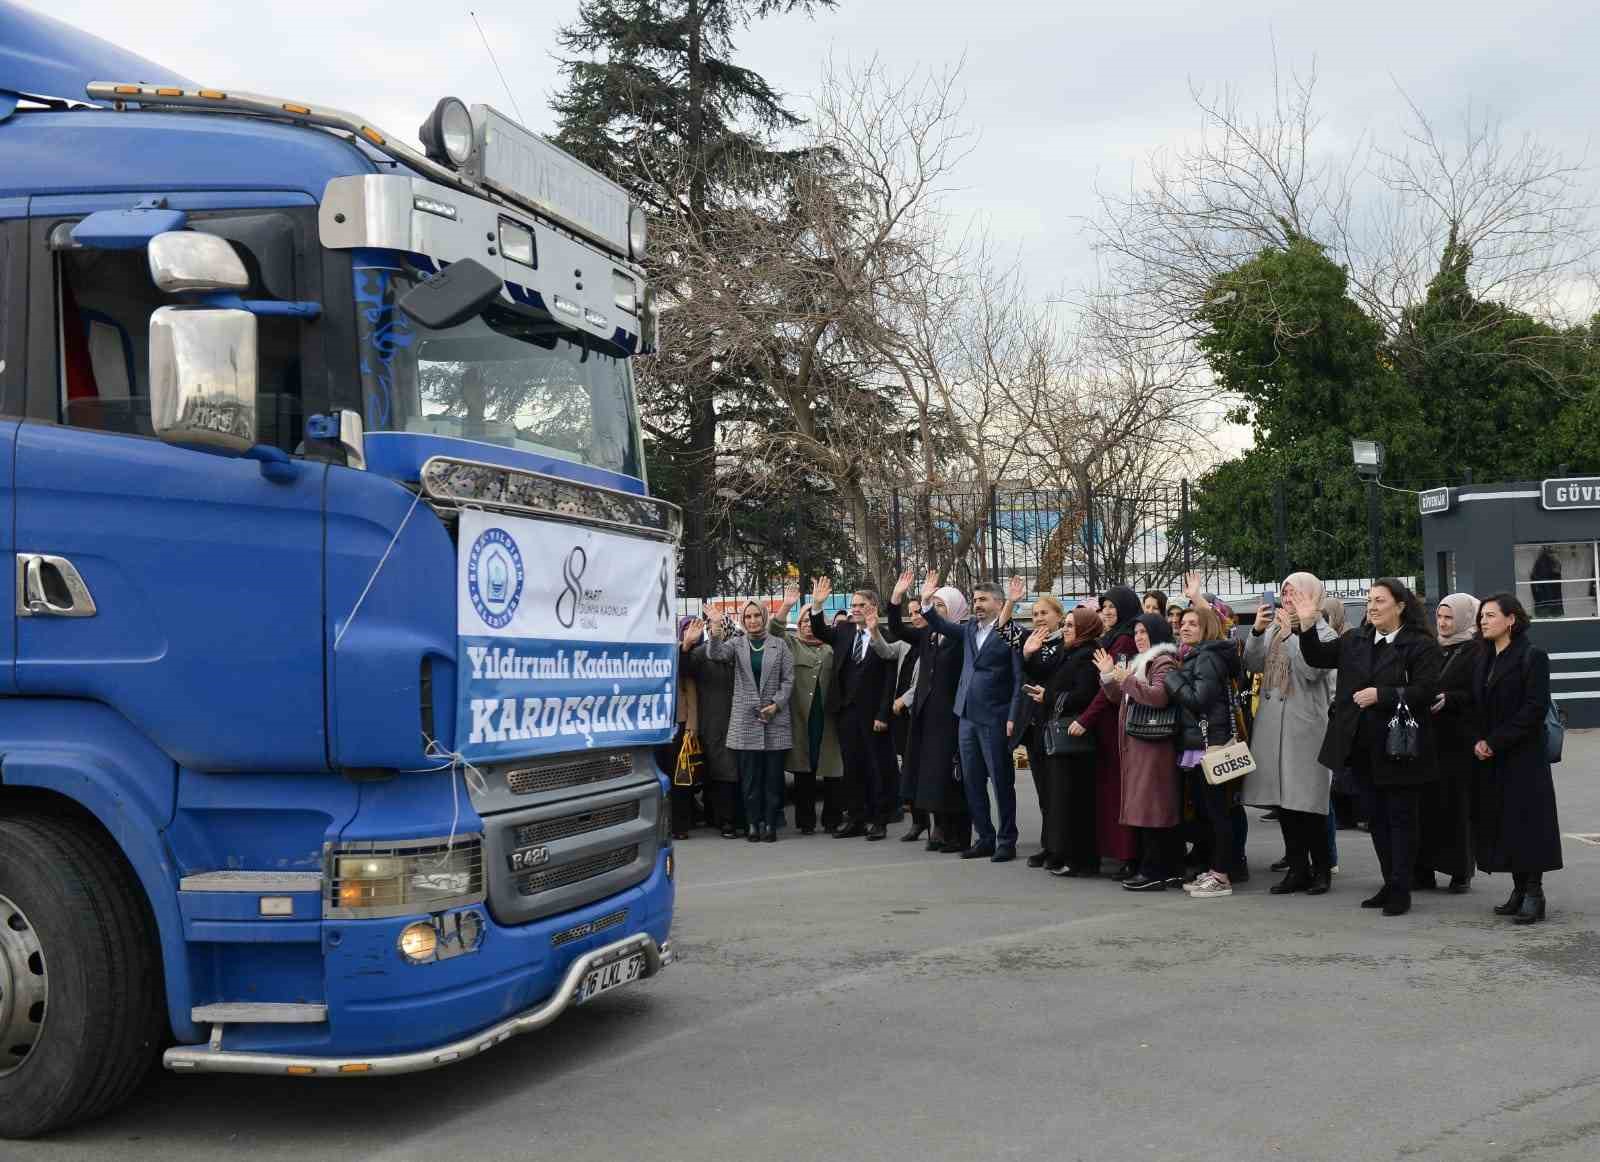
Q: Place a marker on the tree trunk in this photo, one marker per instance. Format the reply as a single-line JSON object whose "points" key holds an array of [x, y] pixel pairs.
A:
{"points": [[701, 469]]}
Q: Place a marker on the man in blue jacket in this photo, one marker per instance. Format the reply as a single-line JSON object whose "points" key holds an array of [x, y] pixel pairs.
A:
{"points": [[991, 672]]}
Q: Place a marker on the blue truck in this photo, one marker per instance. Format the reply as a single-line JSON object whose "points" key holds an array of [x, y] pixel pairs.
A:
{"points": [[342, 625]]}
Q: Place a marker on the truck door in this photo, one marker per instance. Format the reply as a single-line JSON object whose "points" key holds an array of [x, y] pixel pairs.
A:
{"points": [[13, 315], [181, 588]]}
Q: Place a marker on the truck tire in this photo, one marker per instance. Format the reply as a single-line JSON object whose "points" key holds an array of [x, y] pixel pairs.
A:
{"points": [[83, 1014]]}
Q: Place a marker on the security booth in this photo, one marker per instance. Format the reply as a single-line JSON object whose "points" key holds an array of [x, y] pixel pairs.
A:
{"points": [[1540, 541]]}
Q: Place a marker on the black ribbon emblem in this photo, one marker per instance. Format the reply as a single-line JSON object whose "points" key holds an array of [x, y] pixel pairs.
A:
{"points": [[664, 606], [572, 573]]}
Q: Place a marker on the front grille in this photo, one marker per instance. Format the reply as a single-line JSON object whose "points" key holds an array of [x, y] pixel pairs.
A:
{"points": [[559, 773], [576, 872], [609, 920], [549, 830]]}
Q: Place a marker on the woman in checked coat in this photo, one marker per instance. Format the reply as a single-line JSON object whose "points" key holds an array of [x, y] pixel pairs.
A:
{"points": [[760, 730]]}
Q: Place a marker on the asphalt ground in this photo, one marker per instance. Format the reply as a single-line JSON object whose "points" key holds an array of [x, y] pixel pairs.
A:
{"points": [[837, 999]]}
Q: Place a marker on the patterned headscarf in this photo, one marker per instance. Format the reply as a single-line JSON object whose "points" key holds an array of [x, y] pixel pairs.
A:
{"points": [[1465, 608]]}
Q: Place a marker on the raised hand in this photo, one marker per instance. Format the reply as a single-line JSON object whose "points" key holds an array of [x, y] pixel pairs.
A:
{"points": [[1306, 609], [1016, 589], [869, 618], [1103, 661], [1264, 616], [1191, 587], [930, 585], [791, 597], [693, 632], [821, 590], [1035, 642], [902, 586]]}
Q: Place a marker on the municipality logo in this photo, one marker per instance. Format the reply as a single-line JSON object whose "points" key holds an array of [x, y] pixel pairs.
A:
{"points": [[494, 577]]}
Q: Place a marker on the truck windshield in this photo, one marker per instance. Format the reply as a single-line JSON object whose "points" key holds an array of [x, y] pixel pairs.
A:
{"points": [[512, 378]]}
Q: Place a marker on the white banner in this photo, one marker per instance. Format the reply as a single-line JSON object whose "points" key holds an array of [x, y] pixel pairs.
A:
{"points": [[567, 638]]}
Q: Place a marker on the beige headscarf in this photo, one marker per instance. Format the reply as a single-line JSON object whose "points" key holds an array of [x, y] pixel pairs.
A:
{"points": [[1465, 608], [1275, 672], [1333, 614]]}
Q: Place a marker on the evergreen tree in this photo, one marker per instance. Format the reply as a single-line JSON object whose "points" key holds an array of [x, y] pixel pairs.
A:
{"points": [[655, 100]]}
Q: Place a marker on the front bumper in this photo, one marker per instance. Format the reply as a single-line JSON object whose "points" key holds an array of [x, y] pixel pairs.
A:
{"points": [[214, 1059]]}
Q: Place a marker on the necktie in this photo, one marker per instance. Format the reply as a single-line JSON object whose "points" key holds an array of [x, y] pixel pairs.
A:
{"points": [[861, 647]]}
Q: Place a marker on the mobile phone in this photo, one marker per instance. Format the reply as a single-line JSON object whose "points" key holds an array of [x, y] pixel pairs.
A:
{"points": [[1032, 686], [1269, 597]]}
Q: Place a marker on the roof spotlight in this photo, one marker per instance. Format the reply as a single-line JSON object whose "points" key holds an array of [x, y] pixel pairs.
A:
{"points": [[447, 133]]}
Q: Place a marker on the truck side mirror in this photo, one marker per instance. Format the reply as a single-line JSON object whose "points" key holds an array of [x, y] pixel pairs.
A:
{"points": [[203, 377], [181, 260], [457, 293]]}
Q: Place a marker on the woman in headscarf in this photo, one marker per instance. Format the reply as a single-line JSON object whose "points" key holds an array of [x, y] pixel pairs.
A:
{"points": [[815, 755], [1445, 844], [1119, 610], [760, 725], [1290, 723], [933, 772], [1150, 794]]}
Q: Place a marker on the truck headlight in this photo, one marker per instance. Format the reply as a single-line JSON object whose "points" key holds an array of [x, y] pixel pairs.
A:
{"points": [[370, 880], [447, 133]]}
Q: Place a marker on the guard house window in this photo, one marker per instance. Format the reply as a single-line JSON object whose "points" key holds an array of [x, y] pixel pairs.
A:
{"points": [[104, 299], [1557, 581]]}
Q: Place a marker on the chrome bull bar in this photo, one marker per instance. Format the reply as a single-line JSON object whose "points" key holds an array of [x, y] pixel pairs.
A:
{"points": [[213, 1058]]}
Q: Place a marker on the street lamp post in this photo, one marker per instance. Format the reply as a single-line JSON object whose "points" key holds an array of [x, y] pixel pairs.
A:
{"points": [[1369, 459]]}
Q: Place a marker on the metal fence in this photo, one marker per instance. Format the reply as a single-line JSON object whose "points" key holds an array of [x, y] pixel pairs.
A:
{"points": [[1059, 541]]}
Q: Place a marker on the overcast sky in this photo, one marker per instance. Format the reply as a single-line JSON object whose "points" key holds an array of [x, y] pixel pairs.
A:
{"points": [[1065, 95]]}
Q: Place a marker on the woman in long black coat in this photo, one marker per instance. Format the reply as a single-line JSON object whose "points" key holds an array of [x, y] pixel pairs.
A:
{"points": [[1516, 824], [931, 750], [1392, 658], [1070, 690], [1446, 833]]}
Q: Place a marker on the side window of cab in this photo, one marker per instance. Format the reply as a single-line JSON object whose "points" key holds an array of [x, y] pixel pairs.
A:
{"points": [[103, 300]]}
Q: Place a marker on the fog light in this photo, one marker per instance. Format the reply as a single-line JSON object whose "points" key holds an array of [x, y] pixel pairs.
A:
{"points": [[419, 941]]}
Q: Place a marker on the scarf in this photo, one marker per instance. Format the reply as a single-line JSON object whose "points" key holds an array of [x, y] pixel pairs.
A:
{"points": [[1157, 628], [1465, 608], [1129, 608], [954, 603], [1276, 673], [1085, 625]]}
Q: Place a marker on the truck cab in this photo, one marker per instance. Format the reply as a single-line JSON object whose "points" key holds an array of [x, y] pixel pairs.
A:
{"points": [[340, 636]]}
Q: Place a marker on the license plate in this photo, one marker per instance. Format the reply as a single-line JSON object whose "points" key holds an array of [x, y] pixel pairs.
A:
{"points": [[610, 976]]}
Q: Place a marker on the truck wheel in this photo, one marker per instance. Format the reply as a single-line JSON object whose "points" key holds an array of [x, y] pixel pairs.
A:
{"points": [[82, 1013]]}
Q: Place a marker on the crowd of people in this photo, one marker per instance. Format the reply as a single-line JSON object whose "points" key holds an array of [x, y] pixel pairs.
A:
{"points": [[1147, 725]]}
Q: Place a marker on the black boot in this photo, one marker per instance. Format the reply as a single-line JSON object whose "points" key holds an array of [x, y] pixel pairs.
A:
{"points": [[1532, 909], [1296, 881], [1513, 904]]}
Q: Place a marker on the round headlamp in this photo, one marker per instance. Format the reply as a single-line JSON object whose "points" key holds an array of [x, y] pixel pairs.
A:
{"points": [[638, 231], [447, 133]]}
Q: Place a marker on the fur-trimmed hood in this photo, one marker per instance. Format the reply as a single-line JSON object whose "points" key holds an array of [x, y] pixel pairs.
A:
{"points": [[1140, 666]]}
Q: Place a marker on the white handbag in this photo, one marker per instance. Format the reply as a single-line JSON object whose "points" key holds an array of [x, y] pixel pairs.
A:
{"points": [[1230, 760]]}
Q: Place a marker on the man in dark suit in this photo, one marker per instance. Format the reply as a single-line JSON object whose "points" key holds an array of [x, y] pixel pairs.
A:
{"points": [[991, 672], [859, 698]]}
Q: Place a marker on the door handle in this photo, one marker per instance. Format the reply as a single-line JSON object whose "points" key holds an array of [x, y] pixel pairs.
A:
{"points": [[51, 587]]}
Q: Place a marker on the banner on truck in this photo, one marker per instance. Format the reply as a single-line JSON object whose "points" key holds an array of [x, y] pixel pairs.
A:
{"points": [[566, 638]]}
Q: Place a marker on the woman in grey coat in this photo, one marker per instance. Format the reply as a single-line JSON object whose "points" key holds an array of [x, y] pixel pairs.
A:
{"points": [[760, 730], [1290, 723]]}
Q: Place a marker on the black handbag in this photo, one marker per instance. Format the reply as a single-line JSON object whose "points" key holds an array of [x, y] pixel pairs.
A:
{"points": [[1403, 743], [1058, 740], [1152, 723]]}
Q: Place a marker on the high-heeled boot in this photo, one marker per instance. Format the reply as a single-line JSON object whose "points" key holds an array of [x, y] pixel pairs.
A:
{"points": [[1513, 903], [1532, 909]]}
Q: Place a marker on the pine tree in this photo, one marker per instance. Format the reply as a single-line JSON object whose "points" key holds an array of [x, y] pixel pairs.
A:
{"points": [[655, 101]]}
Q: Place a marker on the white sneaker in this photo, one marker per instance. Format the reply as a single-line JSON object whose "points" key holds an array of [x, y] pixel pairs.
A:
{"points": [[1211, 886]]}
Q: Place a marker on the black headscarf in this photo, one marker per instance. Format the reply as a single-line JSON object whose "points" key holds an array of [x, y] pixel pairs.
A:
{"points": [[1157, 626], [1129, 609]]}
